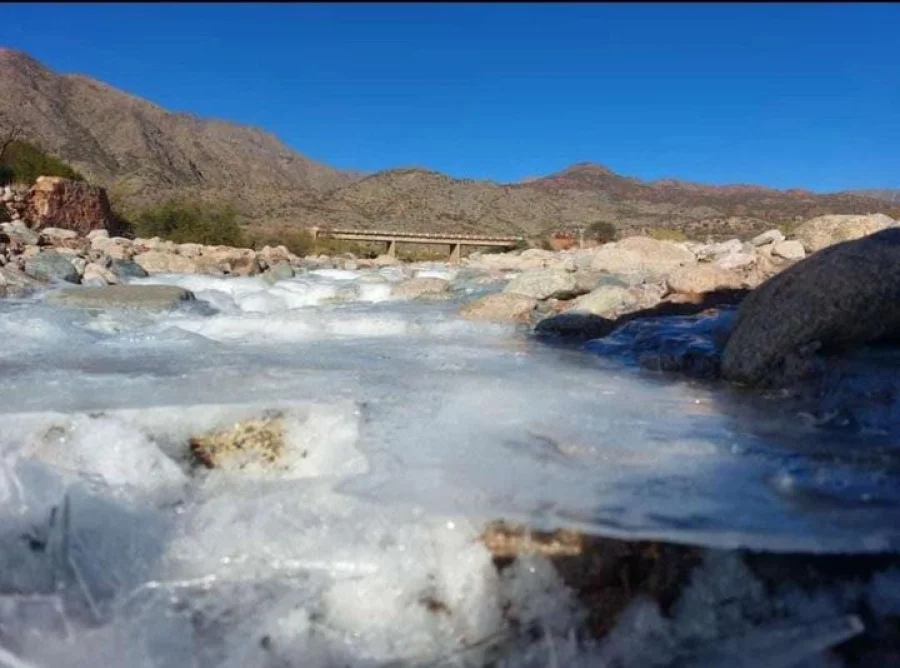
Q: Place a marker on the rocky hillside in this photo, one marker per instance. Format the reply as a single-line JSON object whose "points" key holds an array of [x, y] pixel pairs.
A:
{"points": [[886, 194], [119, 140], [145, 154]]}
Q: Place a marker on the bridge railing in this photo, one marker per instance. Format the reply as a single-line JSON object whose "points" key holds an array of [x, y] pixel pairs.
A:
{"points": [[388, 234]]}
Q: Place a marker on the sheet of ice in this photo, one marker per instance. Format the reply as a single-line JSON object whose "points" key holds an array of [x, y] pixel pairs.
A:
{"points": [[466, 417], [408, 428]]}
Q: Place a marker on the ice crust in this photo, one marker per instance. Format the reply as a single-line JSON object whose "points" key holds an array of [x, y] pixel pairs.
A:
{"points": [[407, 428]]}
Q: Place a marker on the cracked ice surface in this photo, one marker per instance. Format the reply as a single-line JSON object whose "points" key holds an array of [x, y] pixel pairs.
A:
{"points": [[406, 429]]}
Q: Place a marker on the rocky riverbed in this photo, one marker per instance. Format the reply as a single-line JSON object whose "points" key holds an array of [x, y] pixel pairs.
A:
{"points": [[223, 457]]}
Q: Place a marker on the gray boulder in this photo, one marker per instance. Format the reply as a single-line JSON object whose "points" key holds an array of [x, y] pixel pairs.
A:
{"points": [[846, 294], [50, 266], [823, 231], [789, 250], [607, 300], [768, 237], [155, 297], [574, 326], [280, 271], [500, 308], [20, 233], [544, 284], [127, 269], [419, 287]]}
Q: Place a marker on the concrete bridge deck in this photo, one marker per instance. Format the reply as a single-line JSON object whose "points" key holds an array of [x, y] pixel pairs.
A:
{"points": [[454, 241]]}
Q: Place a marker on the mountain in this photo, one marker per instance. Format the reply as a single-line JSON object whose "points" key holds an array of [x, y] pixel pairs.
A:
{"points": [[144, 154], [136, 147], [886, 194]]}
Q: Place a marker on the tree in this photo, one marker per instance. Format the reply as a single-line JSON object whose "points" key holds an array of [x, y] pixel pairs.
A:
{"points": [[602, 232], [13, 134], [23, 162], [191, 222]]}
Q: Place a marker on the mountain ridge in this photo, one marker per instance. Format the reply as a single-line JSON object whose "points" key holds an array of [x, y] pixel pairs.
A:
{"points": [[144, 154]]}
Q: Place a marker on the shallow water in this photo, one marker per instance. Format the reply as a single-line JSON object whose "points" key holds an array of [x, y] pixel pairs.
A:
{"points": [[409, 428]]}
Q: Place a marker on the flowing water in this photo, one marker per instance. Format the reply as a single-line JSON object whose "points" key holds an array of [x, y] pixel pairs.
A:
{"points": [[407, 429]]}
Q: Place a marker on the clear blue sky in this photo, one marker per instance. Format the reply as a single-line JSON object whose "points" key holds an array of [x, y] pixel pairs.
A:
{"points": [[785, 95]]}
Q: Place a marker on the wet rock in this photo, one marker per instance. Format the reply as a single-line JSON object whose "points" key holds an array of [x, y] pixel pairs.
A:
{"points": [[825, 231], [50, 266], [544, 284], [127, 269], [844, 295], [280, 271], [767, 238], [158, 262], [574, 326], [502, 307], [690, 345], [419, 287], [15, 283], [154, 297], [608, 301], [789, 250], [67, 204], [702, 278]]}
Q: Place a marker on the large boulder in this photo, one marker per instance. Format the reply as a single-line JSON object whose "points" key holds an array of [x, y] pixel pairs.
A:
{"points": [[70, 205], [419, 287], [15, 283], [115, 248], [768, 237], [824, 231], [848, 293], [159, 262], [127, 269], [97, 275], [641, 255], [20, 233], [789, 250], [228, 260], [51, 266], [607, 300], [504, 307], [544, 284], [702, 278], [153, 297]]}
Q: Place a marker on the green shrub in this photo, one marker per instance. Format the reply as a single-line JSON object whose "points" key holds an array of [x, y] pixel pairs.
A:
{"points": [[184, 222], [602, 232], [663, 234], [787, 228], [23, 163], [298, 242]]}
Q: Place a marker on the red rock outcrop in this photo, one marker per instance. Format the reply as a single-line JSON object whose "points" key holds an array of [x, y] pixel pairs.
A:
{"points": [[66, 204]]}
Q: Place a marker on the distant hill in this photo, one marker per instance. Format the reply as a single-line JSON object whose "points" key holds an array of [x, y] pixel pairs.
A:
{"points": [[144, 154], [886, 194]]}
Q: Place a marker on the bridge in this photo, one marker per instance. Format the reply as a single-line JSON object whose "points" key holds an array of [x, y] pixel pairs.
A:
{"points": [[391, 239]]}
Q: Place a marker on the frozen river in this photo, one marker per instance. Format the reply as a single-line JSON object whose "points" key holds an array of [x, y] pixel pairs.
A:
{"points": [[407, 429]]}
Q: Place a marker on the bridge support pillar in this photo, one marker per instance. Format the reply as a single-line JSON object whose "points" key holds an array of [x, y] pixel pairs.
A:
{"points": [[455, 253], [392, 248]]}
